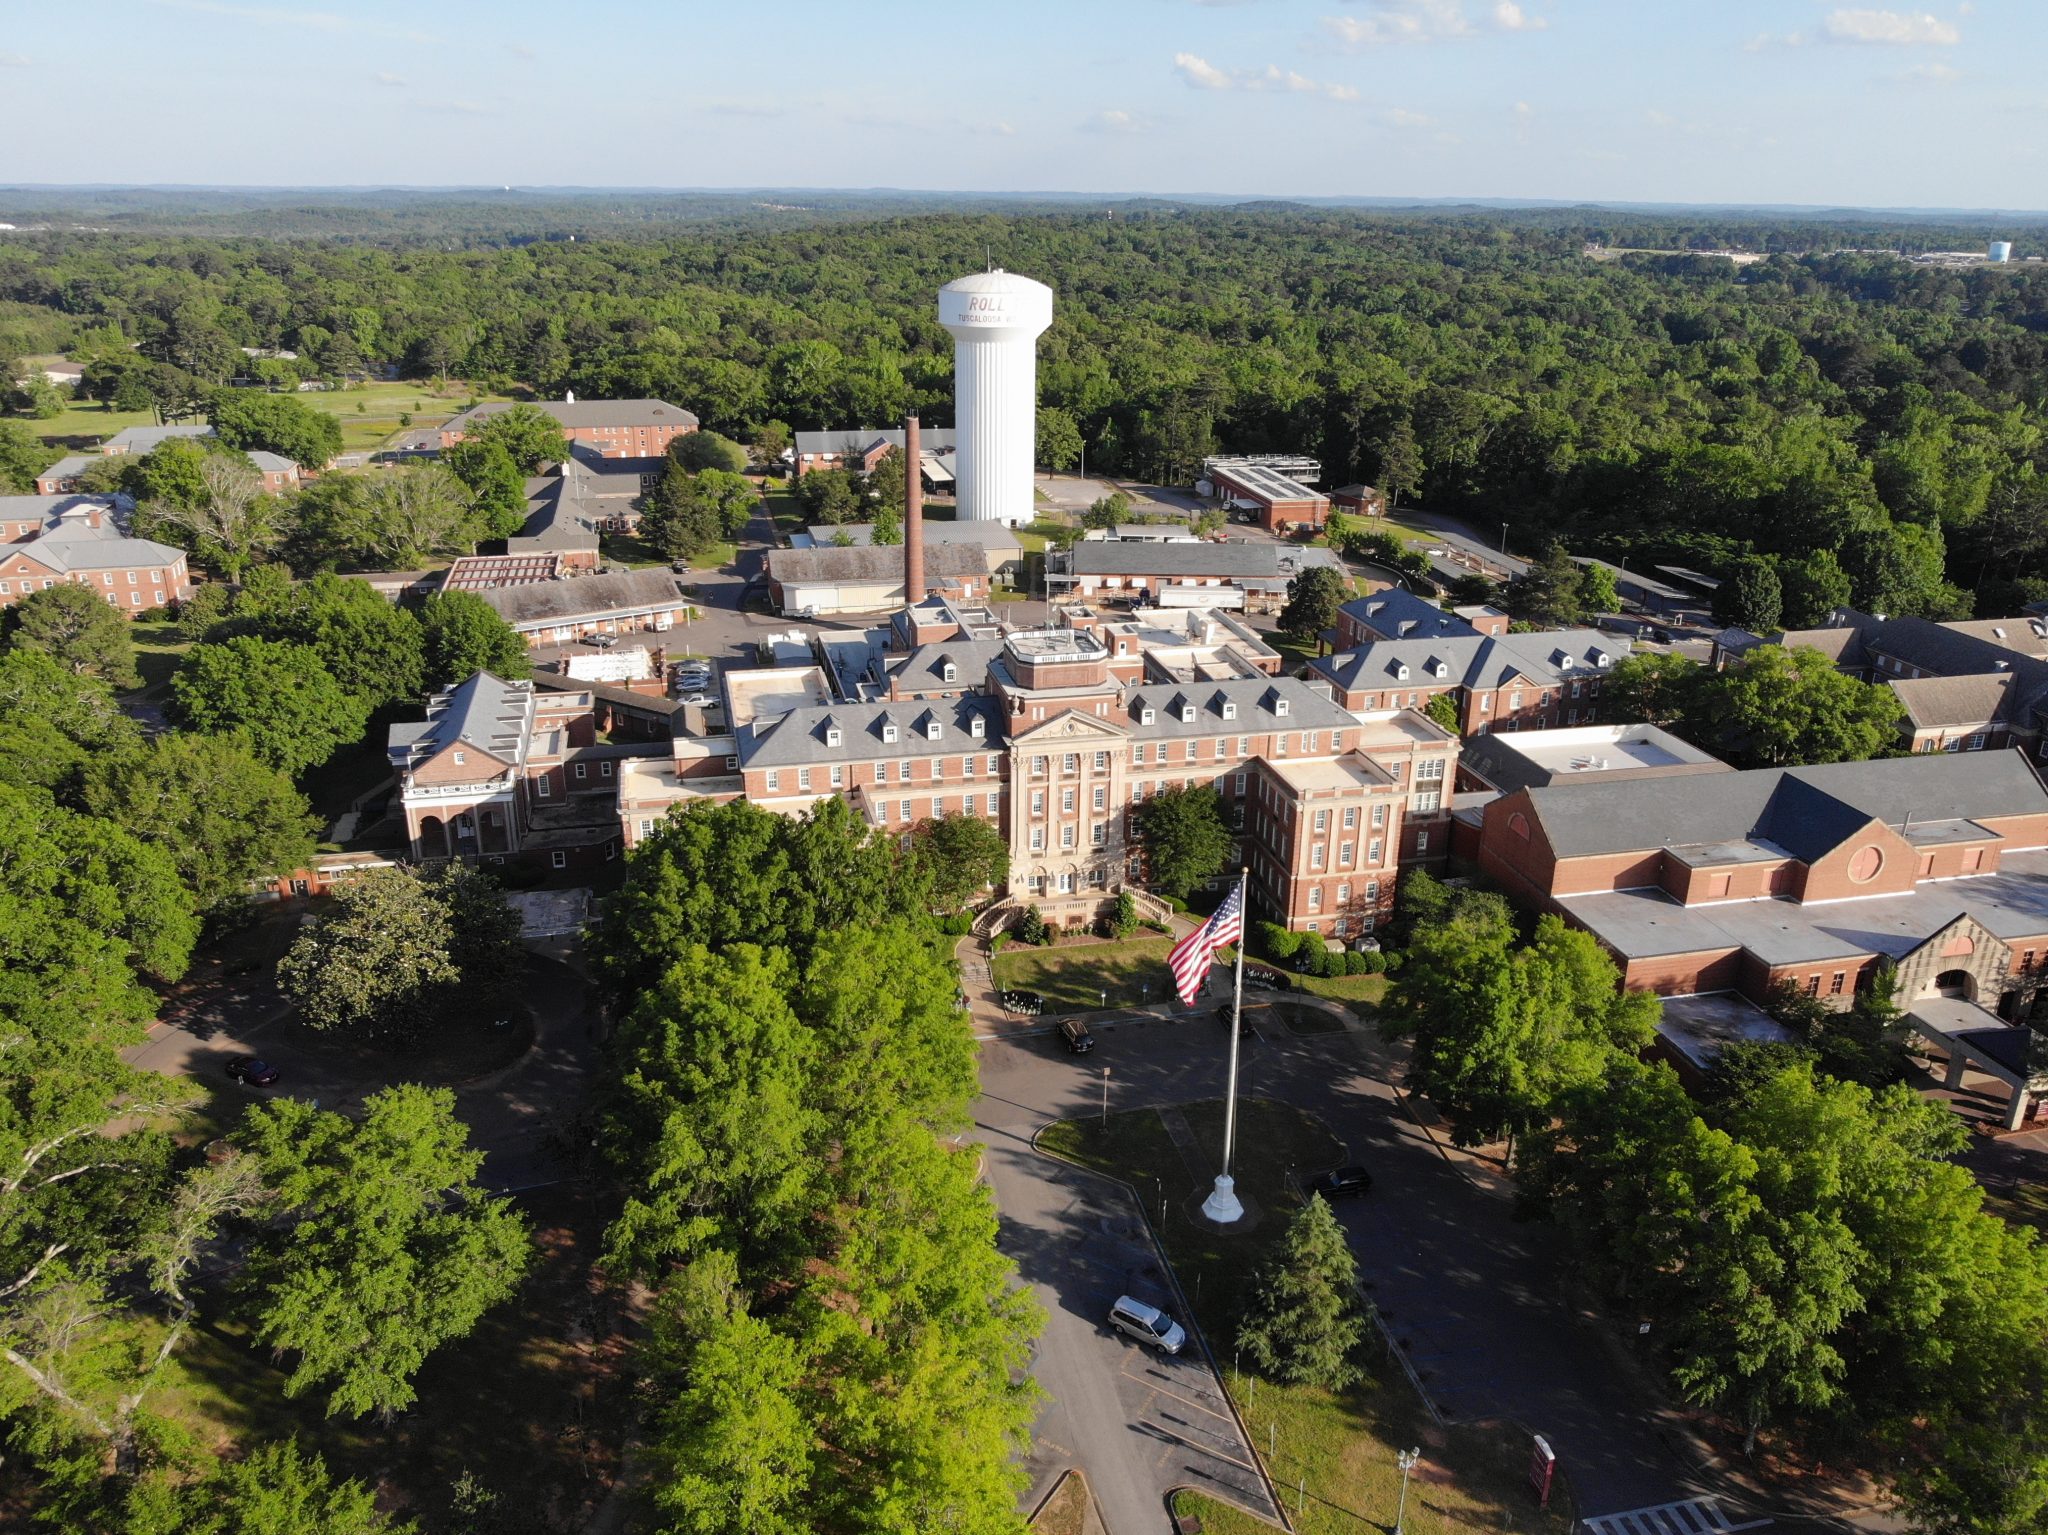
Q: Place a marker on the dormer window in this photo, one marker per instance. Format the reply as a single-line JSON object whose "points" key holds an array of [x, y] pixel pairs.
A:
{"points": [[1601, 658], [1401, 671], [1440, 669], [1280, 704], [889, 732], [949, 673], [1187, 714], [832, 736], [977, 727], [1229, 710], [931, 731], [1564, 663], [1144, 716]]}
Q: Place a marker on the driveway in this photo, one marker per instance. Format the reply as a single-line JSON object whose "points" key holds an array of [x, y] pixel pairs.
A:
{"points": [[1140, 1422], [524, 1118], [1476, 1296]]}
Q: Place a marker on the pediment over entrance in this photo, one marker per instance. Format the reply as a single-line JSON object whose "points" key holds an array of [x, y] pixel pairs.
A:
{"points": [[1072, 726], [1961, 958]]}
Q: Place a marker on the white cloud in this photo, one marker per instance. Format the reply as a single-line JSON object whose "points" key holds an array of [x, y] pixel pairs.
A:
{"points": [[310, 21], [1940, 74], [1400, 21], [1401, 117], [1202, 75], [1510, 17], [1113, 120], [1890, 28], [385, 77]]}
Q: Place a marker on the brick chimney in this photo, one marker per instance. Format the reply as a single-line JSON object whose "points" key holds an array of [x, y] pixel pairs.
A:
{"points": [[913, 513]]}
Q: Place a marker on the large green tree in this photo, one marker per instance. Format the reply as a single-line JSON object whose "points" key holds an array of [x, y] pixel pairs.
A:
{"points": [[1781, 707], [495, 482], [1550, 594], [463, 635], [79, 629], [223, 817], [1185, 838], [278, 696], [279, 423], [532, 437], [23, 456], [1659, 687], [1751, 596], [387, 1248], [1304, 1326], [961, 856], [1313, 598]]}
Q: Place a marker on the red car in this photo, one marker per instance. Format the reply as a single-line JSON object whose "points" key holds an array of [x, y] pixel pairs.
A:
{"points": [[247, 1068]]}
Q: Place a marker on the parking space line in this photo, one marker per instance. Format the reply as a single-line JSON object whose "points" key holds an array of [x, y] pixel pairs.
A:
{"points": [[1162, 1391]]}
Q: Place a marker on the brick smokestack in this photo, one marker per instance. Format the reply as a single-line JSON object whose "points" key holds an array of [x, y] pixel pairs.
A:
{"points": [[913, 513]]}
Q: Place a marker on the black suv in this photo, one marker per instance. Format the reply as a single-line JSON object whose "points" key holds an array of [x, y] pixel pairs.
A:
{"points": [[1075, 1036], [1339, 1181]]}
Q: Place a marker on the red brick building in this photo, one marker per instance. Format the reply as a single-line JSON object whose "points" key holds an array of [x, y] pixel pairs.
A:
{"points": [[1741, 881], [608, 428], [1498, 682], [51, 540]]}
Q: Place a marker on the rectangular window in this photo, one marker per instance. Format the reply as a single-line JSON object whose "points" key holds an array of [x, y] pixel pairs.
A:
{"points": [[544, 786], [646, 826], [838, 776], [1344, 850], [903, 771], [1322, 821], [1070, 763], [582, 771], [1835, 984], [1350, 816], [1191, 751], [131, 578], [803, 778], [1038, 802], [1315, 856], [1066, 801], [1038, 767], [559, 859], [1244, 746], [1099, 833], [1379, 815], [1372, 852], [1101, 796], [994, 767], [1038, 839], [1066, 836], [1813, 985], [1222, 748], [1422, 842], [460, 758], [1343, 895], [1315, 897], [1428, 802], [1102, 762], [604, 769], [1240, 785], [774, 778], [1372, 890]]}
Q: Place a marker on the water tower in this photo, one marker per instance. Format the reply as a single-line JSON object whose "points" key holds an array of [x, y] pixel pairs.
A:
{"points": [[2000, 250], [996, 319]]}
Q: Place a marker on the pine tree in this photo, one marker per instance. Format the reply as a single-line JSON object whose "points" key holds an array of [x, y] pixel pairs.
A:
{"points": [[1305, 1323]]}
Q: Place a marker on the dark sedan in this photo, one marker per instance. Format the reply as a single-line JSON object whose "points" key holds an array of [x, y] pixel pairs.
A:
{"points": [[1339, 1181], [247, 1068]]}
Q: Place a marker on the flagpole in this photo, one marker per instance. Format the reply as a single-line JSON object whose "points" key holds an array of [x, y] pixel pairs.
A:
{"points": [[1222, 1205]]}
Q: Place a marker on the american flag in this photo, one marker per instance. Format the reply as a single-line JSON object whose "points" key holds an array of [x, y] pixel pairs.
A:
{"points": [[1190, 958]]}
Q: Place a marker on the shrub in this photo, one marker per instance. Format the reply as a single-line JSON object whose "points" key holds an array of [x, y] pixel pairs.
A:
{"points": [[1031, 927], [1357, 964], [1122, 920], [957, 924], [1277, 942], [995, 944], [1390, 962]]}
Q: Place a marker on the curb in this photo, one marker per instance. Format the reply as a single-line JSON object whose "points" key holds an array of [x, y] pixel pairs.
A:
{"points": [[1194, 1323]]}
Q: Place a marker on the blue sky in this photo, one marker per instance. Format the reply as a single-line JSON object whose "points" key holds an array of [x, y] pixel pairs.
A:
{"points": [[1766, 101]]}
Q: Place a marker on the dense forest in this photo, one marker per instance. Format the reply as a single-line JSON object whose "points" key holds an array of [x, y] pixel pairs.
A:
{"points": [[1668, 405]]}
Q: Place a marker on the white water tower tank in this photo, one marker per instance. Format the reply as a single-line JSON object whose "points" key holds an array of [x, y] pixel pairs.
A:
{"points": [[996, 319], [2000, 250]]}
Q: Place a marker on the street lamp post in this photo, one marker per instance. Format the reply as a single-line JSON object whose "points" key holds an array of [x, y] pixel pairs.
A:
{"points": [[1105, 1095], [1503, 538], [1407, 1460]]}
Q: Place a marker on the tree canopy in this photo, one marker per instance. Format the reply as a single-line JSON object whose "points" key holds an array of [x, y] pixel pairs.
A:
{"points": [[277, 695], [1184, 836]]}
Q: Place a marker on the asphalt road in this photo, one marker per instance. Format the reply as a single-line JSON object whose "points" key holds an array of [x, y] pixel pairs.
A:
{"points": [[1141, 1422], [1475, 1296]]}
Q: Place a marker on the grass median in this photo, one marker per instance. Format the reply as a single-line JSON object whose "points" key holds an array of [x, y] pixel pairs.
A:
{"points": [[1083, 977], [1334, 1453]]}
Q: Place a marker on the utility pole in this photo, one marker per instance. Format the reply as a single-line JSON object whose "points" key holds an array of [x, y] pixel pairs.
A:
{"points": [[1406, 1459]]}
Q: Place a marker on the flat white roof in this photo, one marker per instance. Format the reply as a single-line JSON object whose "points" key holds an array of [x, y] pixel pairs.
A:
{"points": [[1591, 749]]}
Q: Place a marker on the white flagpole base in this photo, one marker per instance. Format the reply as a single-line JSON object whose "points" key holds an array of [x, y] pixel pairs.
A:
{"points": [[1221, 1206]]}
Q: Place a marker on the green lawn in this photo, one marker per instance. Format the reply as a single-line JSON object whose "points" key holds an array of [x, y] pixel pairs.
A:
{"points": [[1073, 978], [1363, 992], [158, 650], [628, 549], [1339, 1447], [369, 413]]}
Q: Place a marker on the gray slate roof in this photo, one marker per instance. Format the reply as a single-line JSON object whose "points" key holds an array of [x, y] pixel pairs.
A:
{"points": [[585, 413], [1114, 557], [1933, 703], [993, 536], [486, 712], [930, 439], [1475, 660], [1799, 809], [270, 463], [874, 563], [584, 597], [1399, 614], [1256, 698], [802, 737], [925, 667], [140, 439], [72, 543]]}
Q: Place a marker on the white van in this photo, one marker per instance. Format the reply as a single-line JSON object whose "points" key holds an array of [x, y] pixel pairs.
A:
{"points": [[1148, 1324]]}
